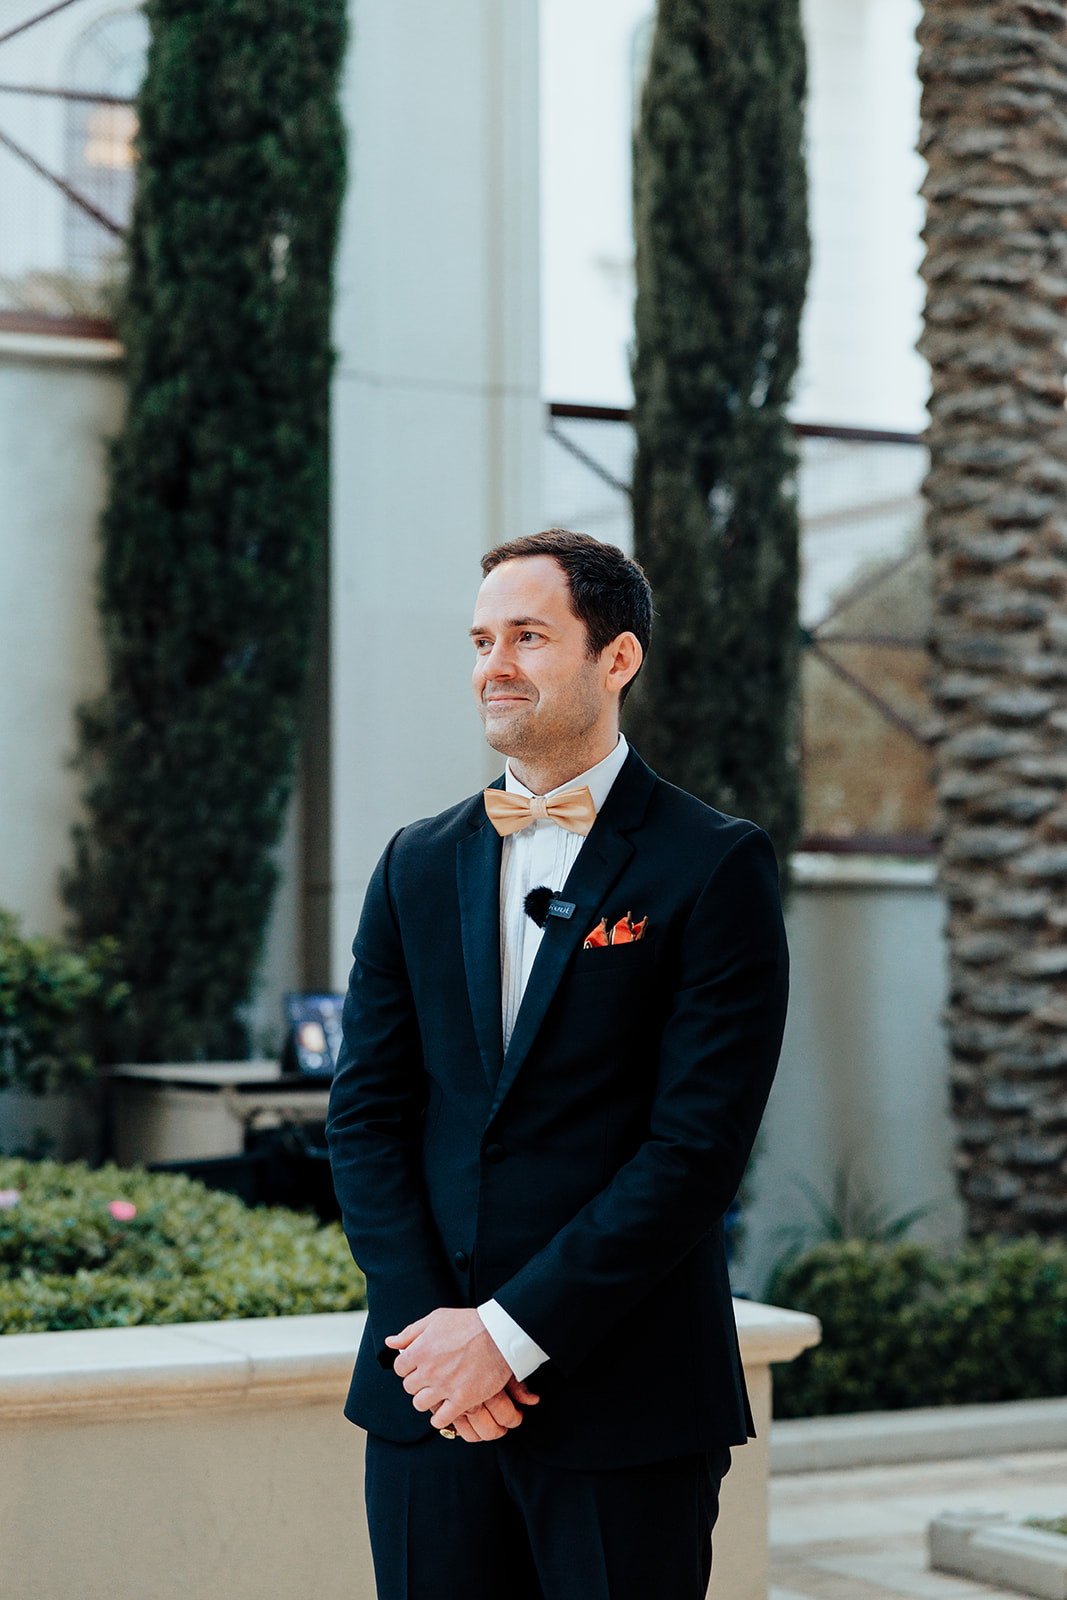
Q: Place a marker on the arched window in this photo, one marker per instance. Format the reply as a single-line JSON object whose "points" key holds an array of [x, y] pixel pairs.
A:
{"points": [[108, 60]]}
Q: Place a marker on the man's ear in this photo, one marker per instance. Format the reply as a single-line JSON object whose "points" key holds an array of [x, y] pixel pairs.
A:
{"points": [[622, 657]]}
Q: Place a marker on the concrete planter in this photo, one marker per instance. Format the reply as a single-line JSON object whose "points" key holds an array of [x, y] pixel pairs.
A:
{"points": [[923, 1433], [1001, 1553], [212, 1460], [193, 1110]]}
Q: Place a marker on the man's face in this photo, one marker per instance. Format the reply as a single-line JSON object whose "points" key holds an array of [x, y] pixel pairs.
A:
{"points": [[537, 689]]}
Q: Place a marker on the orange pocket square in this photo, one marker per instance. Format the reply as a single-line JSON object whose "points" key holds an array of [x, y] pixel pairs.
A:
{"points": [[625, 931]]}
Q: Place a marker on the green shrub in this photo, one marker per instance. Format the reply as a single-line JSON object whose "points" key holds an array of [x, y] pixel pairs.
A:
{"points": [[721, 235], [188, 1254], [212, 570], [902, 1327], [49, 996]]}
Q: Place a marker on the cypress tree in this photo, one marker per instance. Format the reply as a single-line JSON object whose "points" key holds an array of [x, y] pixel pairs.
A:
{"points": [[217, 509], [720, 217]]}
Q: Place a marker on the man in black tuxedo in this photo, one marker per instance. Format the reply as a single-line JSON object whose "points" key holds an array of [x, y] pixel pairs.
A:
{"points": [[542, 1109]]}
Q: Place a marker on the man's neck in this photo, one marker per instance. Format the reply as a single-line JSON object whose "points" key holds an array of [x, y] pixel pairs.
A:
{"points": [[542, 777]]}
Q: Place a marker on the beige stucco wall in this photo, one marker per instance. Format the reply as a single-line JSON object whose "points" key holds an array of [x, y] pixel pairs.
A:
{"points": [[220, 1505], [862, 1088], [60, 400]]}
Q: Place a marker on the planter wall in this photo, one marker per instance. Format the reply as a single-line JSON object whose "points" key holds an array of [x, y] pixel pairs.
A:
{"points": [[67, 1126], [212, 1460]]}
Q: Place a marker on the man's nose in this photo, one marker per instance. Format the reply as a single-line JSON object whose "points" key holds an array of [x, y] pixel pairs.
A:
{"points": [[500, 662]]}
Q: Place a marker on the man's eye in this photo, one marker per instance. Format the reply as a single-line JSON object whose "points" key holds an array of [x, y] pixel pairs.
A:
{"points": [[528, 635]]}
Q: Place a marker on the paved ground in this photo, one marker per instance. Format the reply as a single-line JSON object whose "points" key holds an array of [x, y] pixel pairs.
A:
{"points": [[860, 1534]]}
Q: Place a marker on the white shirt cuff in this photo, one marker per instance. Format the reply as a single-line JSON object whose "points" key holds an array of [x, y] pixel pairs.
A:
{"points": [[520, 1352]]}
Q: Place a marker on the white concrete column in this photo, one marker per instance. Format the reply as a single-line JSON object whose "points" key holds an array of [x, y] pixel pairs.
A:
{"points": [[436, 408]]}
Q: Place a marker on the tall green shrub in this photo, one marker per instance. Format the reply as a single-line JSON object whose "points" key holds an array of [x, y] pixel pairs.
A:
{"points": [[720, 218], [217, 509]]}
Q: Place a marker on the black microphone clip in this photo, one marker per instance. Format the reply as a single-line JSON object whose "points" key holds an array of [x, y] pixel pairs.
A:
{"points": [[542, 903]]}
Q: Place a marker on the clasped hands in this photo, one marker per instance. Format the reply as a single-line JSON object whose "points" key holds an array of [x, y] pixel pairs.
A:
{"points": [[451, 1367]]}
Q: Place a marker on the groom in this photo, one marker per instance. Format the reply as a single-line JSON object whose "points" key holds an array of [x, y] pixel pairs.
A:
{"points": [[562, 1023]]}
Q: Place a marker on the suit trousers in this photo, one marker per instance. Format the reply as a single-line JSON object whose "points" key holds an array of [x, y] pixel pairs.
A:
{"points": [[490, 1522]]}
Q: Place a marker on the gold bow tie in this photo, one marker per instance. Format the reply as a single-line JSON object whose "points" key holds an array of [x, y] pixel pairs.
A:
{"points": [[573, 810]]}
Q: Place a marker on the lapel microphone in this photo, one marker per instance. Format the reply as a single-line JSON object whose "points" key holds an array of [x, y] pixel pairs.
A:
{"points": [[542, 903]]}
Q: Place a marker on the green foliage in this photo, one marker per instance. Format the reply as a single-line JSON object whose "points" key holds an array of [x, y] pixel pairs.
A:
{"points": [[214, 528], [49, 997], [720, 215], [853, 1212], [903, 1328], [850, 1211], [189, 1254]]}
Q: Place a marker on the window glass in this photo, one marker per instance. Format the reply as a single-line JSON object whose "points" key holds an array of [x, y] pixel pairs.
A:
{"points": [[108, 60]]}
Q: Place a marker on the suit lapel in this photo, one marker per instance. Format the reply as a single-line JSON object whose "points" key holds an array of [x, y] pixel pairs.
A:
{"points": [[478, 881], [600, 861]]}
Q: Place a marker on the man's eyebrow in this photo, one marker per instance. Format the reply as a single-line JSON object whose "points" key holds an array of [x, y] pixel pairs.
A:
{"points": [[513, 622]]}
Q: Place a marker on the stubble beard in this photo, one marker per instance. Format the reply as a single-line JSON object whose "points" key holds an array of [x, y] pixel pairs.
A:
{"points": [[511, 738], [531, 742]]}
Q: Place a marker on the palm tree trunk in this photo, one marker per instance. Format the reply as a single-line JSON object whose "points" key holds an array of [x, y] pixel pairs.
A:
{"points": [[994, 133]]}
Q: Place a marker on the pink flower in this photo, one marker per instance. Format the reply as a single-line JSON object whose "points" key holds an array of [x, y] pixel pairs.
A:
{"points": [[9, 1198], [122, 1210]]}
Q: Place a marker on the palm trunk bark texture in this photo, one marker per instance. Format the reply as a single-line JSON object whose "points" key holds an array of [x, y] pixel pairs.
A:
{"points": [[994, 134]]}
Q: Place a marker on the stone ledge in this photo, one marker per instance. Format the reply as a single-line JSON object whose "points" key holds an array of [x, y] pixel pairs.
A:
{"points": [[813, 869], [267, 1361], [770, 1333], [992, 1550], [127, 1372], [928, 1433]]}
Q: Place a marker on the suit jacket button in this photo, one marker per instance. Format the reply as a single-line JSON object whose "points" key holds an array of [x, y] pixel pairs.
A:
{"points": [[462, 1260], [494, 1152]]}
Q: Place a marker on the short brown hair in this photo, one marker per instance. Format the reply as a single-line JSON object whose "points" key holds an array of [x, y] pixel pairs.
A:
{"points": [[609, 591]]}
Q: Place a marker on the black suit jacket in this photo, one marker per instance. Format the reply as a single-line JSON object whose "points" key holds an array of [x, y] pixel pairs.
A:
{"points": [[581, 1177]]}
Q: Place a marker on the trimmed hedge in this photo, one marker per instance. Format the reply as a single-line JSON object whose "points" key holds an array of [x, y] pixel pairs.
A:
{"points": [[72, 1256], [902, 1327]]}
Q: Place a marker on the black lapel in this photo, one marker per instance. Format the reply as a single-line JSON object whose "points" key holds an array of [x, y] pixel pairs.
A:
{"points": [[600, 861], [478, 882]]}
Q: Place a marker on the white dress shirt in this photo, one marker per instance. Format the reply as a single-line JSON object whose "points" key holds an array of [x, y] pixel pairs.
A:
{"points": [[540, 855]]}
